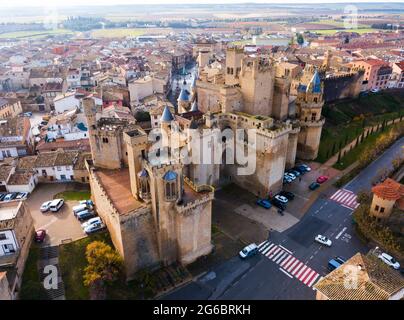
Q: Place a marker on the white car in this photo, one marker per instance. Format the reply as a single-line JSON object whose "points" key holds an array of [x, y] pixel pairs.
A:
{"points": [[249, 251], [56, 204], [91, 221], [94, 227], [323, 240], [281, 198], [389, 260], [45, 206], [291, 176], [376, 90]]}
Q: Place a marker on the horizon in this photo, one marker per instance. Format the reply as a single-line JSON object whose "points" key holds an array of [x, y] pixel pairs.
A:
{"points": [[101, 3]]}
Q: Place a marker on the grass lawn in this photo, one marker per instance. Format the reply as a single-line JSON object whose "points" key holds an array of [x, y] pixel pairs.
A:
{"points": [[31, 287], [74, 195], [352, 156], [33, 34], [72, 261], [344, 120]]}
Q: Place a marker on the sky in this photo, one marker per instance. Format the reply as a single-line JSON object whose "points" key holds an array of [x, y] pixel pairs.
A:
{"points": [[52, 3]]}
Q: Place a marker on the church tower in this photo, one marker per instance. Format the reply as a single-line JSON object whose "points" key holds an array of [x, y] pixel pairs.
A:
{"points": [[309, 103]]}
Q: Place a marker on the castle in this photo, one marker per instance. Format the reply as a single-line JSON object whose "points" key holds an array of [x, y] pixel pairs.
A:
{"points": [[156, 204]]}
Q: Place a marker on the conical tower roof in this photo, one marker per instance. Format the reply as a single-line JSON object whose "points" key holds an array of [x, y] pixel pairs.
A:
{"points": [[167, 116]]}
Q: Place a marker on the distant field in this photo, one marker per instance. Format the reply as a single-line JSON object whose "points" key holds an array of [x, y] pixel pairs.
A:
{"points": [[33, 34], [338, 24], [129, 32], [331, 32]]}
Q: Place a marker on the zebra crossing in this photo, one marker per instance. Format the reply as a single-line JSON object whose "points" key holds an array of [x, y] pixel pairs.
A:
{"points": [[346, 198], [289, 264]]}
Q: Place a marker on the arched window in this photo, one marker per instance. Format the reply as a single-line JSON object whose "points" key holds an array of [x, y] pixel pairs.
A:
{"points": [[170, 180]]}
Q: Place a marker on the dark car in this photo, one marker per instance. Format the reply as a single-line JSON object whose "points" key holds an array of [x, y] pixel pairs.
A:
{"points": [[295, 172], [301, 170], [2, 196], [314, 186], [287, 194], [40, 235], [264, 203], [278, 204]]}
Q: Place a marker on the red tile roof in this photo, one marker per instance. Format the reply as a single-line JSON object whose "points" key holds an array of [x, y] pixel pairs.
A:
{"points": [[389, 190]]}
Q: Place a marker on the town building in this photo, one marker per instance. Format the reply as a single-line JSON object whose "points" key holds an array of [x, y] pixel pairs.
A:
{"points": [[387, 195], [16, 234], [362, 277]]}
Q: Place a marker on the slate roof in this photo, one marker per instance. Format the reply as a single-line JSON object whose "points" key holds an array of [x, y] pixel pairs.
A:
{"points": [[167, 116]]}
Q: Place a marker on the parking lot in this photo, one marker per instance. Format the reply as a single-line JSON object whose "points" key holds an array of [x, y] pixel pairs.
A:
{"points": [[61, 226]]}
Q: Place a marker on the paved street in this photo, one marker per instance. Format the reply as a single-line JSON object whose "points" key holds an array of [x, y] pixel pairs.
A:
{"points": [[290, 262]]}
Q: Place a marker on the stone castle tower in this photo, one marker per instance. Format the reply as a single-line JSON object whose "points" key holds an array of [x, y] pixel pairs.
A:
{"points": [[257, 77], [309, 103]]}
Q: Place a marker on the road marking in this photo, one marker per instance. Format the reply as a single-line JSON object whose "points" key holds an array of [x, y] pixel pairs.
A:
{"points": [[297, 268], [286, 266], [262, 244], [286, 249], [340, 234], [308, 278], [304, 275], [282, 257], [311, 282], [286, 261], [270, 251], [301, 271], [267, 248], [45, 226], [278, 255], [286, 273], [270, 256], [293, 265]]}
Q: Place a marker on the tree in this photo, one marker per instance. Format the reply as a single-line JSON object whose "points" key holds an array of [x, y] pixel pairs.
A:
{"points": [[346, 139], [299, 38], [334, 148], [357, 141], [339, 157], [104, 267]]}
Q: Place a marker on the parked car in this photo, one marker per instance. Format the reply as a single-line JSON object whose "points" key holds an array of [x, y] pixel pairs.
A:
{"points": [[278, 204], [287, 194], [91, 221], [22, 195], [389, 260], [335, 263], [87, 202], [2, 196], [79, 208], [323, 240], [84, 215], [56, 205], [94, 227], [27, 114], [281, 198], [322, 179], [10, 196], [300, 170], [40, 235], [304, 167], [287, 179], [45, 206], [250, 250], [314, 186], [264, 203], [291, 176], [295, 173], [375, 90]]}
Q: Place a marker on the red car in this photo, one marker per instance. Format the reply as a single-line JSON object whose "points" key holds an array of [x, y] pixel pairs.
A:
{"points": [[322, 179], [40, 235]]}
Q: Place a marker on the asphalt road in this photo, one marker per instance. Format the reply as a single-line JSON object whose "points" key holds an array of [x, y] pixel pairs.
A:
{"points": [[293, 262]]}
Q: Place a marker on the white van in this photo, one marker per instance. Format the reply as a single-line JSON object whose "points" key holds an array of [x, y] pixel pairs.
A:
{"points": [[78, 208], [56, 205]]}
